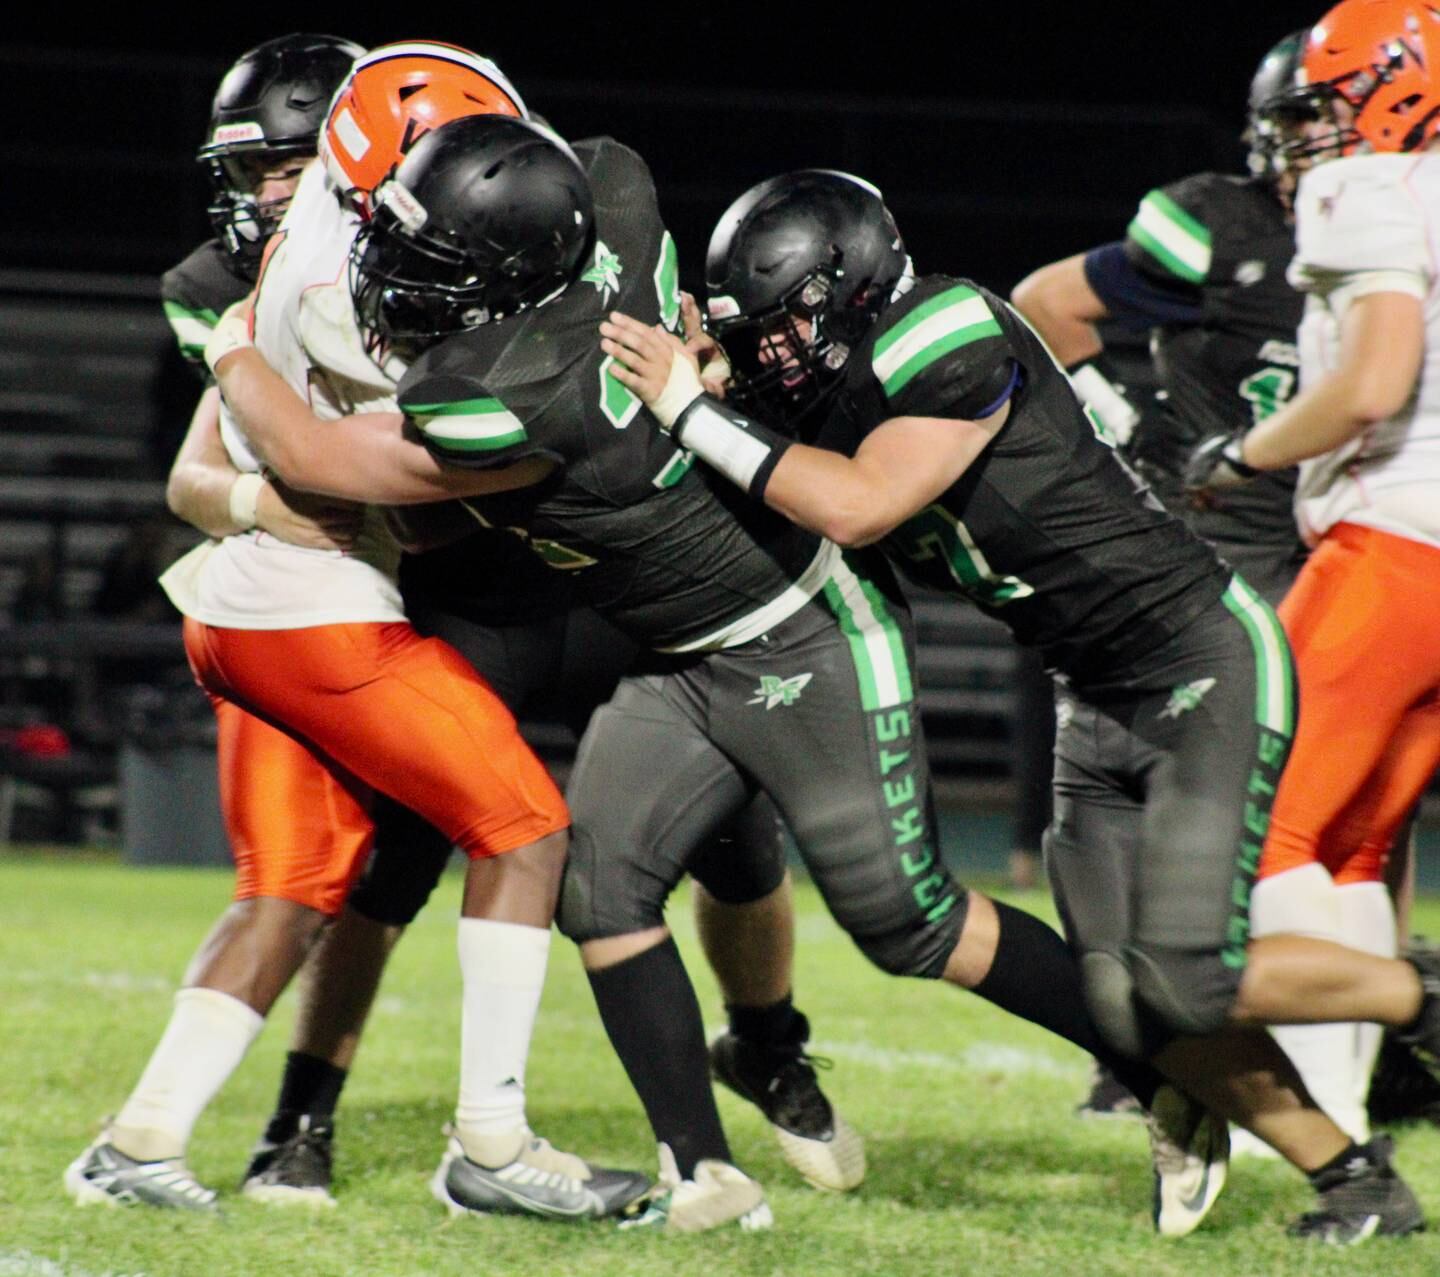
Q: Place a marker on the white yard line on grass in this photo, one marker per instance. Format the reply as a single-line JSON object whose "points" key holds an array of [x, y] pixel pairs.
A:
{"points": [[975, 1057], [115, 981], [21, 1263]]}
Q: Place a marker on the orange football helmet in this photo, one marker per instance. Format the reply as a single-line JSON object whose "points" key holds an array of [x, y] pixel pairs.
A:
{"points": [[396, 94], [1382, 57]]}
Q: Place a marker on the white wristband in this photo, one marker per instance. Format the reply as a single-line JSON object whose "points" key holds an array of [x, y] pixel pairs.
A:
{"points": [[682, 388], [245, 498], [1117, 414], [723, 442]]}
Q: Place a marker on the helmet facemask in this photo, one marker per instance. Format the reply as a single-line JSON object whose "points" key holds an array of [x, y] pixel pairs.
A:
{"points": [[1281, 133], [785, 362], [241, 222]]}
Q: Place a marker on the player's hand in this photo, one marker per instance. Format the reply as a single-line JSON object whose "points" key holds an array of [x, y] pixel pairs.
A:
{"points": [[234, 331], [1215, 467], [714, 367], [304, 519], [654, 364]]}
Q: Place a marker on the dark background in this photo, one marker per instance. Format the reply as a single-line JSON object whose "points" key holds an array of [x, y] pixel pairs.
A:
{"points": [[1002, 135]]}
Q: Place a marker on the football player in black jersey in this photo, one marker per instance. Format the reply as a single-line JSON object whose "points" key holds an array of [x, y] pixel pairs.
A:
{"points": [[777, 662], [1202, 270], [521, 627], [952, 438], [1202, 267]]}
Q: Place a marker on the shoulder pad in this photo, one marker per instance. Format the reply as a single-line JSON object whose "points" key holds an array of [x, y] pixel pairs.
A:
{"points": [[947, 320], [1360, 214], [944, 353]]}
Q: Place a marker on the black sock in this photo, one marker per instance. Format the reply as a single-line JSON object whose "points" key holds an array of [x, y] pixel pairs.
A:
{"points": [[1035, 976], [1354, 1159], [310, 1088], [649, 1009], [779, 1025]]}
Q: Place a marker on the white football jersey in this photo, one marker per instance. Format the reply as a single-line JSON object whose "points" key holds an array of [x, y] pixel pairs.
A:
{"points": [[305, 327], [1367, 224]]}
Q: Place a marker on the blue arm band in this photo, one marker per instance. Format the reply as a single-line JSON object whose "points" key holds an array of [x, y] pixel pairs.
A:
{"points": [[1017, 375]]}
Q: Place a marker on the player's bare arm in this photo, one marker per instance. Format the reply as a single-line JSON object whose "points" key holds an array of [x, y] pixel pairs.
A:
{"points": [[1382, 345], [1063, 308], [901, 466], [373, 457], [207, 491]]}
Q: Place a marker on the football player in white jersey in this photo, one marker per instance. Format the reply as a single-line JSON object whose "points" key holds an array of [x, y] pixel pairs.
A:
{"points": [[1364, 615], [324, 694], [746, 924]]}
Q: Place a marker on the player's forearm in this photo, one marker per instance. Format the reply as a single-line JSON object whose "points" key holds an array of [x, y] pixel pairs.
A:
{"points": [[1313, 423], [309, 454], [833, 495], [1382, 348], [1060, 305], [366, 457], [202, 477]]}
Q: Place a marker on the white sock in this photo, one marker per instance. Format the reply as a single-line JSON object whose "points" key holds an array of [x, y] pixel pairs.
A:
{"points": [[502, 966], [207, 1037], [1367, 923], [1305, 901]]}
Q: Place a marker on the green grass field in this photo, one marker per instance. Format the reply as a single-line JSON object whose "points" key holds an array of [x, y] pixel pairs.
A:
{"points": [[975, 1162]]}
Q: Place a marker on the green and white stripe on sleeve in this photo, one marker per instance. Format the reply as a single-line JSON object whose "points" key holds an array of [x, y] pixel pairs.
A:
{"points": [[468, 427], [1178, 241], [192, 327], [946, 322]]}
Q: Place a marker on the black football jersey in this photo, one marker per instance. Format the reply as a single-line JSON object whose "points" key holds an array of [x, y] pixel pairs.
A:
{"points": [[1224, 242], [1047, 530], [661, 547], [196, 293]]}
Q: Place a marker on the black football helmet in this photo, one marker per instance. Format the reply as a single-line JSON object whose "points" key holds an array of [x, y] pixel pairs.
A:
{"points": [[487, 216], [1278, 109], [814, 245], [270, 105]]}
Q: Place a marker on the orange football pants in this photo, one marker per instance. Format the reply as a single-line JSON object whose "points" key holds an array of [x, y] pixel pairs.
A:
{"points": [[312, 720], [1363, 620]]}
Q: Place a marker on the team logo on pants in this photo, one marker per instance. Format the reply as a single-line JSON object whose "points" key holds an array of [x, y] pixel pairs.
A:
{"points": [[1185, 697], [779, 691]]}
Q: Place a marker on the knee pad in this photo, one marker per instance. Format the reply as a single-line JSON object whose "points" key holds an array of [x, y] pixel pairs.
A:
{"points": [[745, 861], [1183, 994], [917, 950], [1110, 999], [599, 900], [409, 858]]}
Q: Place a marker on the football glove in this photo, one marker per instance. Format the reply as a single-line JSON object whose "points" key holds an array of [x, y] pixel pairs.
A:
{"points": [[1216, 466]]}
